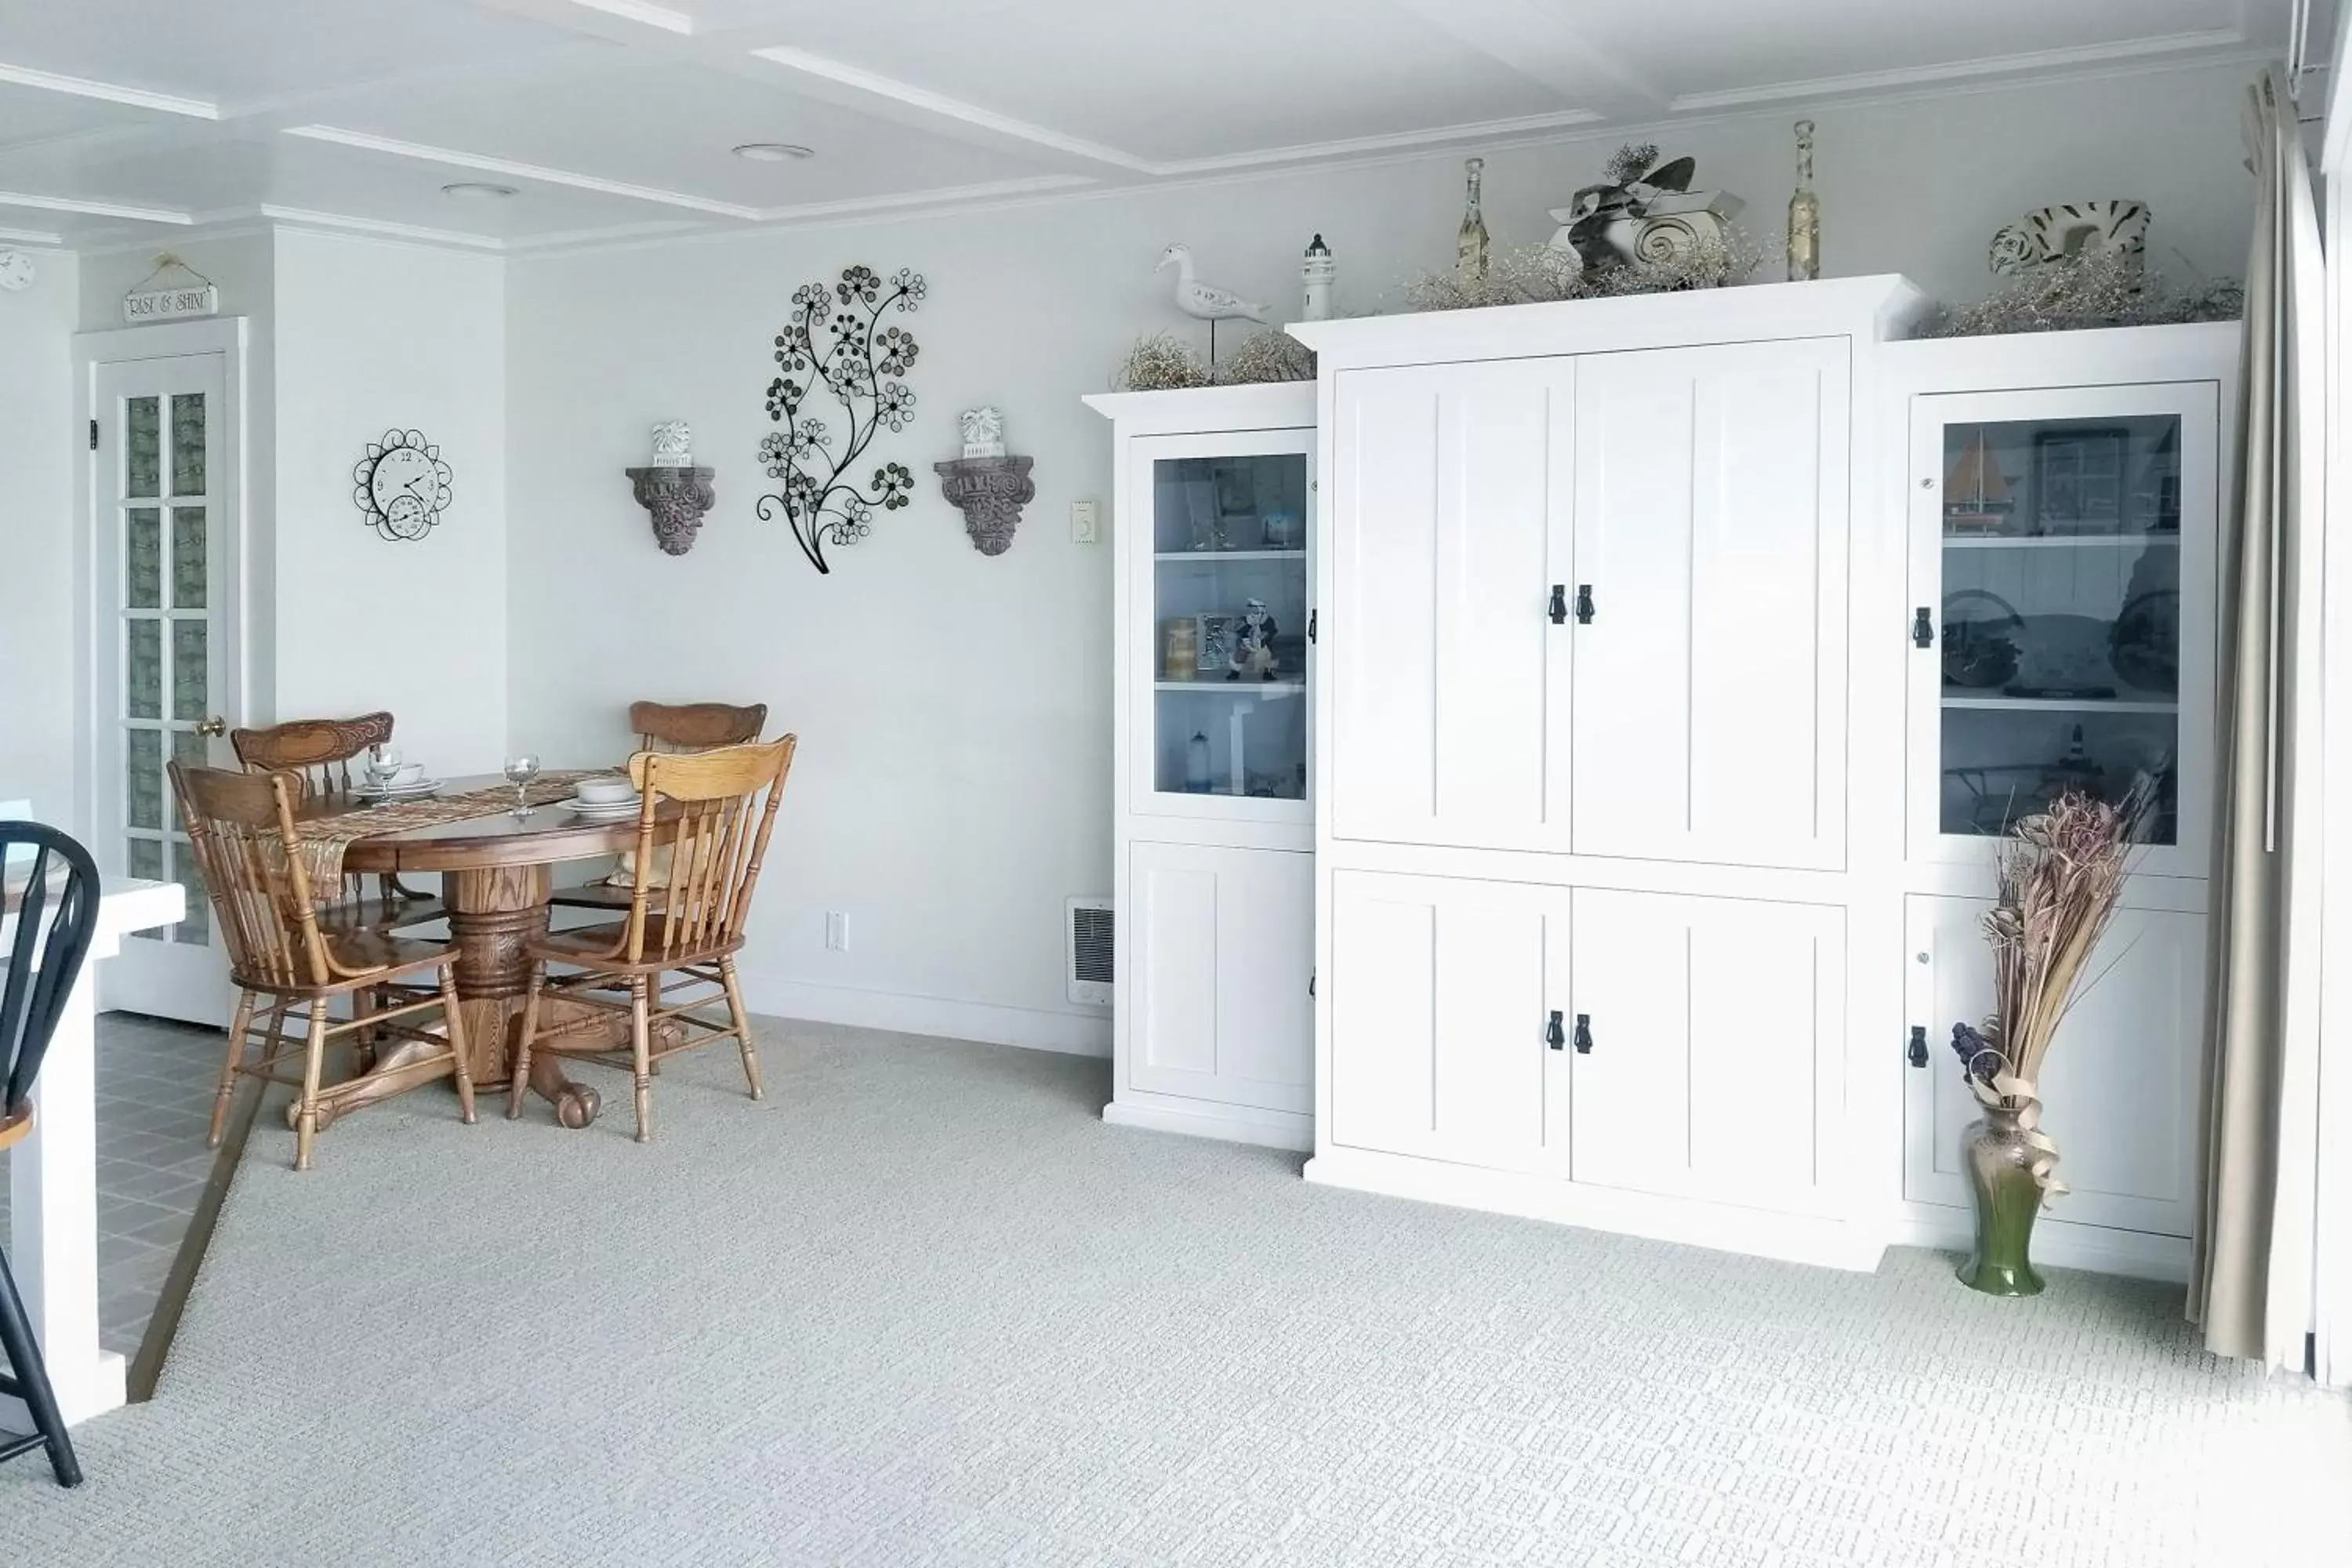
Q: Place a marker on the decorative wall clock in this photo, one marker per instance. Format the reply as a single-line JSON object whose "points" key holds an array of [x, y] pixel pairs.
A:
{"points": [[402, 484]]}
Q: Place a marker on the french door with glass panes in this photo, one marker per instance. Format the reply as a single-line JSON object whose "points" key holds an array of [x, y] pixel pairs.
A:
{"points": [[163, 504], [2063, 619]]}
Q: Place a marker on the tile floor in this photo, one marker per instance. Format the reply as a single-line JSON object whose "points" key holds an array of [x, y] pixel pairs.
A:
{"points": [[155, 1105]]}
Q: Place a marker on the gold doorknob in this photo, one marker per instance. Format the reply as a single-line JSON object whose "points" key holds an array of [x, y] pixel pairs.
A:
{"points": [[214, 727]]}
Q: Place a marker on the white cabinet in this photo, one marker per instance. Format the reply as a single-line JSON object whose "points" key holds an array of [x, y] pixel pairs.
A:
{"points": [[1709, 597], [1219, 954], [1213, 821], [2118, 1091]]}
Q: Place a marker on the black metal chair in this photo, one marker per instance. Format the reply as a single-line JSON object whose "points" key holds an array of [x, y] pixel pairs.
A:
{"points": [[55, 908]]}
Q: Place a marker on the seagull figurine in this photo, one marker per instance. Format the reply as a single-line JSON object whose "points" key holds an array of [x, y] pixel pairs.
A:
{"points": [[1205, 302]]}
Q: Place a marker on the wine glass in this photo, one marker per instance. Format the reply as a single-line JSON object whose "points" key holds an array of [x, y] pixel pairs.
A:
{"points": [[522, 769]]}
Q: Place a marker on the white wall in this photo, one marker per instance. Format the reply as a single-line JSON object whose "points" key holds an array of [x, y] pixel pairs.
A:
{"points": [[371, 336], [37, 539], [954, 712]]}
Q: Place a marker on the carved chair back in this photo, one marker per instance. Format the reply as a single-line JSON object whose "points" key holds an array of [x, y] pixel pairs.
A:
{"points": [[693, 726], [249, 851], [316, 751], [712, 845], [54, 903]]}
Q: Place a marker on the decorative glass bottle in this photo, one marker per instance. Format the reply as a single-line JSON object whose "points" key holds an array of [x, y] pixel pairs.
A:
{"points": [[1470, 243], [1998, 1161], [1804, 214], [1196, 764]]}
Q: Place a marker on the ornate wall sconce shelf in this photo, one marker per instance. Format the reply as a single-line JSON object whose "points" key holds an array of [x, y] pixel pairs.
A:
{"points": [[989, 488], [677, 497]]}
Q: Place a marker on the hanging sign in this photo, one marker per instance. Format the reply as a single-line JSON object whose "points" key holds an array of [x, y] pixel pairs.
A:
{"points": [[152, 299]]}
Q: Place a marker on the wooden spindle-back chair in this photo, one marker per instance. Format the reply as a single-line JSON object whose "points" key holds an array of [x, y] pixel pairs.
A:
{"points": [[319, 752], [671, 726], [702, 818], [53, 905], [281, 946]]}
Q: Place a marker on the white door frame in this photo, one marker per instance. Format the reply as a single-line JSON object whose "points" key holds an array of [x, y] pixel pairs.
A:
{"points": [[226, 336]]}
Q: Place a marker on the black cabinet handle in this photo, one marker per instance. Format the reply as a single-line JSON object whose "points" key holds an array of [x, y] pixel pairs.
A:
{"points": [[1559, 604], [1552, 1036], [1918, 1051], [1584, 1034], [1584, 604], [1923, 629]]}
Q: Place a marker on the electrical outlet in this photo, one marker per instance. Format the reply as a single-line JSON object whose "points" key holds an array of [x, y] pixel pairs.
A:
{"points": [[1082, 522], [836, 930]]}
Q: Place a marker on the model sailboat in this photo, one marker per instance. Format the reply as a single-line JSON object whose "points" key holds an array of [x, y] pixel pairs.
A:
{"points": [[1976, 497]]}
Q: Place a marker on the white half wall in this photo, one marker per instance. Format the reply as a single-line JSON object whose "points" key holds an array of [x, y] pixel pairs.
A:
{"points": [[953, 784]]}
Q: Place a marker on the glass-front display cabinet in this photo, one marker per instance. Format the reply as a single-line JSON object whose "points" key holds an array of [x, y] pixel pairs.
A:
{"points": [[1219, 624], [2062, 621]]}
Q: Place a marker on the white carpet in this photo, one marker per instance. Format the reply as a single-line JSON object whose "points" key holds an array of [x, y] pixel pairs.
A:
{"points": [[922, 1307]]}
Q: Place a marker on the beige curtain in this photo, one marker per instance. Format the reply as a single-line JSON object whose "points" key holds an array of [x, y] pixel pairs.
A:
{"points": [[2250, 1283]]}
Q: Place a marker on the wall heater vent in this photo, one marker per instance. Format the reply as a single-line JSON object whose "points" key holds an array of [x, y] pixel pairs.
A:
{"points": [[1089, 945]]}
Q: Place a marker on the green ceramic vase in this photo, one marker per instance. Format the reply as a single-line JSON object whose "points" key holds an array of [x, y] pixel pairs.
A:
{"points": [[2006, 1198]]}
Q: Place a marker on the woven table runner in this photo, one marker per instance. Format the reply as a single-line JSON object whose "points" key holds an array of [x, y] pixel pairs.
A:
{"points": [[324, 838]]}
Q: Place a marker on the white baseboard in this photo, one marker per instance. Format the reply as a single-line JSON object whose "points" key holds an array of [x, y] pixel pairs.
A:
{"points": [[2098, 1248], [1074, 1034], [1267, 1129], [1793, 1238]]}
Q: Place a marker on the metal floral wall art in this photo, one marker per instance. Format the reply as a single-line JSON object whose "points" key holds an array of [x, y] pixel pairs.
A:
{"points": [[834, 340]]}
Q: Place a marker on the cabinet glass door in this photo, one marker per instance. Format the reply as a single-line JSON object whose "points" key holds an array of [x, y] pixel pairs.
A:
{"points": [[2070, 545], [1223, 603]]}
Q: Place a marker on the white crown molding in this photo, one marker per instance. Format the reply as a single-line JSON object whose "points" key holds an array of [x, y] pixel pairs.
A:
{"points": [[93, 209], [29, 237], [2020, 68], [946, 107], [110, 93], [304, 218], [517, 171], [1303, 152], [651, 15]]}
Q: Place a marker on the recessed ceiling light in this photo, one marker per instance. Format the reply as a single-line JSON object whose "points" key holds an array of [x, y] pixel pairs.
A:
{"points": [[477, 191], [774, 151]]}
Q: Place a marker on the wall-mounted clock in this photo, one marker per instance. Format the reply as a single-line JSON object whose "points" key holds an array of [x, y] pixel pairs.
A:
{"points": [[16, 269], [401, 485]]}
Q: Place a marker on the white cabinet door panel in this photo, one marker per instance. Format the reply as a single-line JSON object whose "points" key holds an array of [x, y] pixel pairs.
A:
{"points": [[1449, 522], [1222, 944], [1711, 526], [1440, 990], [1716, 1029], [2119, 1088]]}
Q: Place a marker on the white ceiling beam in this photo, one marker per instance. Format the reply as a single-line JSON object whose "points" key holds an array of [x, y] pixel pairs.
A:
{"points": [[1481, 130], [510, 169], [2080, 58], [640, 11], [1537, 44], [110, 93], [30, 236], [93, 209]]}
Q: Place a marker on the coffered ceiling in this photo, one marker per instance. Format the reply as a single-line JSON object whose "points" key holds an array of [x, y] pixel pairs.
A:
{"points": [[122, 120]]}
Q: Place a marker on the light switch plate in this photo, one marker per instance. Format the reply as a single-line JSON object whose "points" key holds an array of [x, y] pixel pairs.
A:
{"points": [[1082, 522], [836, 930]]}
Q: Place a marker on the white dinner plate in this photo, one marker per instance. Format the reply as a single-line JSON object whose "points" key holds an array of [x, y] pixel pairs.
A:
{"points": [[604, 808], [398, 792]]}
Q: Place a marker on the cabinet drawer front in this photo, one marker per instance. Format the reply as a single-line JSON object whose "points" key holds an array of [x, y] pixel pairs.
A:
{"points": [[1440, 992], [2118, 1089], [1449, 522], [1710, 683], [1716, 1027], [1219, 947]]}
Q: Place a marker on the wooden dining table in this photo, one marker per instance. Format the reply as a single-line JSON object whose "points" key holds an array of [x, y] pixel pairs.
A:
{"points": [[497, 874]]}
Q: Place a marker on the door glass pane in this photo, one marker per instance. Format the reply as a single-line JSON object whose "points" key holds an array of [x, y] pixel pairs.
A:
{"points": [[188, 444], [188, 557], [143, 558], [144, 859], [189, 749], [2061, 623], [197, 928], [142, 675], [188, 683], [143, 466], [142, 758], [1229, 632]]}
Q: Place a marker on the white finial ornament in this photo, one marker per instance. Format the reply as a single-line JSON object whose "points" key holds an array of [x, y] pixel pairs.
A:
{"points": [[673, 444], [983, 432], [1318, 270]]}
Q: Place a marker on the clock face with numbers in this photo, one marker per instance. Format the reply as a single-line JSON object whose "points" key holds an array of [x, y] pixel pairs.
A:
{"points": [[402, 484]]}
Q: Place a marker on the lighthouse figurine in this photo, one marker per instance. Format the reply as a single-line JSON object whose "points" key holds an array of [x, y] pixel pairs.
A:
{"points": [[1318, 269]]}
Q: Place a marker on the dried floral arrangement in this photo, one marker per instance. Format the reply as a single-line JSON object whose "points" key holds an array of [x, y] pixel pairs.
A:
{"points": [[2098, 288], [1162, 362], [1544, 274], [859, 362], [2059, 874]]}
